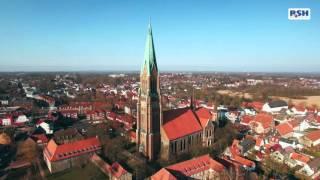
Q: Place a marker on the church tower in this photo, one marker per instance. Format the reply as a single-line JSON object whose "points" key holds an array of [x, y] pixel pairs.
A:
{"points": [[149, 104]]}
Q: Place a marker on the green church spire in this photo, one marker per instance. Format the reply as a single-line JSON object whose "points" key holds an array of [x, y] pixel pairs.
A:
{"points": [[149, 53]]}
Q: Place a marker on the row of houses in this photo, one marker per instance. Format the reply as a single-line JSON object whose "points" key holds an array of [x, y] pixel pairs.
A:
{"points": [[282, 133]]}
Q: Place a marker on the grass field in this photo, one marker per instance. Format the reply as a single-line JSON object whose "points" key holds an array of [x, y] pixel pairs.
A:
{"points": [[309, 100], [233, 93], [88, 172]]}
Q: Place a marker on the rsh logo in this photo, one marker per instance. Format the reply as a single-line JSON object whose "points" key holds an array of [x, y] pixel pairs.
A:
{"points": [[299, 13]]}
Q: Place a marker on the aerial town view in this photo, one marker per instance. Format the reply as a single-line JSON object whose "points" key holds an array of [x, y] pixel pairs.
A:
{"points": [[159, 90]]}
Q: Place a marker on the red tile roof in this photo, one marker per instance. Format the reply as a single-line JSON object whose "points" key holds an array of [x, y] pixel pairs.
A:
{"points": [[265, 119], [284, 128], [115, 169], [189, 168], [204, 116], [163, 174], [234, 147], [259, 141], [313, 135], [235, 152], [317, 119], [132, 135], [56, 152], [300, 108], [299, 157], [255, 105], [243, 161], [246, 119], [294, 123], [180, 122], [40, 138]]}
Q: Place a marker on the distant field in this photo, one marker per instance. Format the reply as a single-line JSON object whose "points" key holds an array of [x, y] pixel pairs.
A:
{"points": [[309, 100], [232, 93]]}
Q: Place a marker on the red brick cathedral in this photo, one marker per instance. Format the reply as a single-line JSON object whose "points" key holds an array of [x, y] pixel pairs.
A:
{"points": [[169, 133]]}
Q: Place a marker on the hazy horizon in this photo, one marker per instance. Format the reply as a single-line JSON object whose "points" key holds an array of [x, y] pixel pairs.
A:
{"points": [[136, 71]]}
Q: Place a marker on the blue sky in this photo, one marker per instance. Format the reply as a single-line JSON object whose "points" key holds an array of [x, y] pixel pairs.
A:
{"points": [[225, 35]]}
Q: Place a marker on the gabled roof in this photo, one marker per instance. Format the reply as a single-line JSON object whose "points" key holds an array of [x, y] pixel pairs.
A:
{"points": [[299, 157], [204, 116], [178, 123], [41, 138], [188, 168], [300, 108], [115, 169], [70, 132], [56, 152], [294, 123], [259, 141], [284, 128], [243, 161], [246, 119], [313, 135], [265, 119], [163, 174]]}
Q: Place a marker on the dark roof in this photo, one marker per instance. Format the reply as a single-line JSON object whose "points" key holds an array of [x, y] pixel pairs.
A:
{"points": [[277, 103], [66, 132], [247, 144]]}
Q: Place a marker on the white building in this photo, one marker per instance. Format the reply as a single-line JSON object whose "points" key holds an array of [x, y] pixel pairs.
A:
{"points": [[6, 121], [299, 111], [46, 127], [21, 119], [275, 106]]}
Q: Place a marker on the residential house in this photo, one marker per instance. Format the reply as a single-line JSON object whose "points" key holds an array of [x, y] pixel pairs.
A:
{"points": [[69, 135], [40, 139], [289, 143], [311, 139], [114, 171], [260, 142], [284, 130], [7, 120], [21, 119], [301, 159], [275, 106], [311, 169], [64, 156], [233, 153], [95, 115], [262, 123], [246, 144], [277, 156], [46, 126], [202, 167], [299, 110]]}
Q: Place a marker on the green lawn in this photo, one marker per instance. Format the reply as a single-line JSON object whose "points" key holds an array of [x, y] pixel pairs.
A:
{"points": [[89, 172]]}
